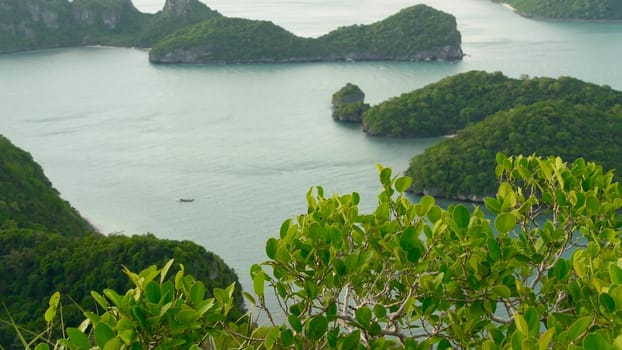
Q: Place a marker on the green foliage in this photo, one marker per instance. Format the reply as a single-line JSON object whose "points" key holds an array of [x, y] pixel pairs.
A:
{"points": [[544, 273], [232, 40], [37, 24], [461, 167], [204, 35], [158, 312], [570, 9], [449, 105], [417, 276], [415, 33], [48, 262], [27, 198]]}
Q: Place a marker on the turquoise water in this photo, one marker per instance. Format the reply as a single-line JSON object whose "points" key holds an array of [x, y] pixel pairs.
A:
{"points": [[123, 140]]}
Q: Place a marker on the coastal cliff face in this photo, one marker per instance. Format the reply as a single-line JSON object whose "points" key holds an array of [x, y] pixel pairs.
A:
{"points": [[348, 104], [417, 33], [36, 24]]}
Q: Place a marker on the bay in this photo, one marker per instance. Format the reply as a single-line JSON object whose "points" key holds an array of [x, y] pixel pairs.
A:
{"points": [[123, 140]]}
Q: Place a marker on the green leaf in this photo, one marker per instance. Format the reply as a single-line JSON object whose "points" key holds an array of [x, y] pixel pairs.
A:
{"points": [[521, 324], [505, 222], [287, 337], [317, 327], [607, 302], [311, 289], [462, 216], [494, 251], [545, 339], [152, 292], [258, 283], [100, 299], [502, 291], [533, 322], [78, 338], [403, 183], [114, 344], [385, 176], [578, 263], [363, 315], [615, 273], [42, 346], [578, 327], [271, 337], [351, 341], [53, 303], [271, 248], [492, 205], [285, 228], [165, 269], [595, 341], [103, 333], [444, 344], [380, 311], [295, 323], [197, 293]]}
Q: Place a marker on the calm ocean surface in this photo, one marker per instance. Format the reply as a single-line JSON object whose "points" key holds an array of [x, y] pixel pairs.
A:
{"points": [[123, 140]]}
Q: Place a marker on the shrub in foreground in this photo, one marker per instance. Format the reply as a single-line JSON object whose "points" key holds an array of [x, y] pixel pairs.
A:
{"points": [[540, 269]]}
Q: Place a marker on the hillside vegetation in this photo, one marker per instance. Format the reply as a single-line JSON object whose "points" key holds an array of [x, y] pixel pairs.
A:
{"points": [[45, 246], [462, 167], [187, 31], [27, 198], [444, 107], [539, 270], [415, 33], [569, 9]]}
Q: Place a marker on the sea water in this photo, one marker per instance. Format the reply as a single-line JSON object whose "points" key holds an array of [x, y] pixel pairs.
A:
{"points": [[123, 140]]}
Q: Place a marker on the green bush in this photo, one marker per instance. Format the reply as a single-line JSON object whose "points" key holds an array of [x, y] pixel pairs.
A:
{"points": [[544, 272]]}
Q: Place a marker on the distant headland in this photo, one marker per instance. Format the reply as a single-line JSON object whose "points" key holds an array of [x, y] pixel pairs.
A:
{"points": [[605, 10], [188, 31]]}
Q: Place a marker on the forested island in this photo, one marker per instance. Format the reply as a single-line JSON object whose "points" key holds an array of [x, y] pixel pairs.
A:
{"points": [[414, 34], [601, 10], [187, 31], [486, 113], [45, 246]]}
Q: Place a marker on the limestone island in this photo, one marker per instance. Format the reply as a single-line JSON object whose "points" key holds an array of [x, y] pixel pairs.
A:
{"points": [[349, 104], [573, 10], [187, 31], [486, 113]]}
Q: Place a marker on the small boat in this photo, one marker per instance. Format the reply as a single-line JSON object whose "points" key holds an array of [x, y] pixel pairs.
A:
{"points": [[186, 200]]}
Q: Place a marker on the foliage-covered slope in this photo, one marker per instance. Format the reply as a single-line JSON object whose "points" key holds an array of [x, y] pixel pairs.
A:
{"points": [[45, 246], [33, 265], [540, 270], [449, 105], [188, 31], [462, 167], [37, 24], [27, 198], [569, 9], [415, 33]]}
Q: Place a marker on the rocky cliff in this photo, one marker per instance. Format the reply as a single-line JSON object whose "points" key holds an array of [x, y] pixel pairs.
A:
{"points": [[37, 24], [349, 104]]}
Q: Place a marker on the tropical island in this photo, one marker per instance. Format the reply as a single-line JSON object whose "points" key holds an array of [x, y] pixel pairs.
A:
{"points": [[486, 113], [187, 31], [604, 10], [46, 246]]}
